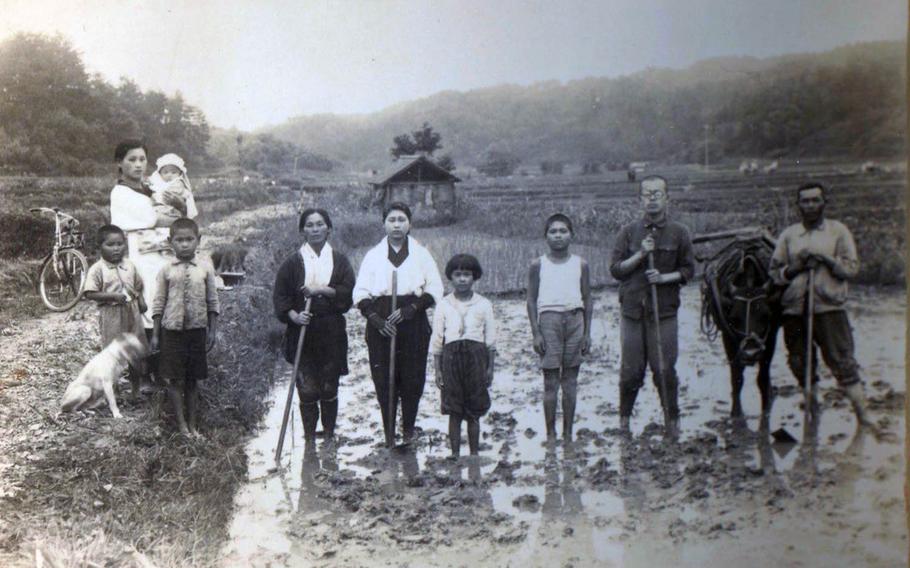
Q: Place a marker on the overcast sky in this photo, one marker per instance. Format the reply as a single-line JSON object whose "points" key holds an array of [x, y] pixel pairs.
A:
{"points": [[249, 63]]}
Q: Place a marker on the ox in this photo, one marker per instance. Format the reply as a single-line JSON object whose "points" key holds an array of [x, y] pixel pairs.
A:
{"points": [[741, 304]]}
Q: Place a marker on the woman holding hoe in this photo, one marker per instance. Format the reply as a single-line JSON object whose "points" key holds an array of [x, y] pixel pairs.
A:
{"points": [[318, 273], [398, 271]]}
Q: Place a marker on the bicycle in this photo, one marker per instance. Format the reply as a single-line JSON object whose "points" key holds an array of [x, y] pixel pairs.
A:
{"points": [[61, 279]]}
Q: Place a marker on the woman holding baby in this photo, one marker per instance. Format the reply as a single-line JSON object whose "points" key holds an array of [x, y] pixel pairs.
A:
{"points": [[145, 212]]}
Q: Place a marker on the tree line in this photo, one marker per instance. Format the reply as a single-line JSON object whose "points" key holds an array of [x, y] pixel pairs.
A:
{"points": [[847, 102], [57, 119]]}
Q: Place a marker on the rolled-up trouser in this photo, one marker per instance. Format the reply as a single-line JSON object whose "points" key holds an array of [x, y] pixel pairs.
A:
{"points": [[832, 334], [315, 387], [639, 351]]}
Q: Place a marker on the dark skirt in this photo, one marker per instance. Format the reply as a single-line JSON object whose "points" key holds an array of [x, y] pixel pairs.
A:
{"points": [[325, 347], [464, 366]]}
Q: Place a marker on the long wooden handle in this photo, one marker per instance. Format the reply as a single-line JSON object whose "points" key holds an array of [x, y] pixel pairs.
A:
{"points": [[810, 320], [290, 399], [390, 428], [660, 349]]}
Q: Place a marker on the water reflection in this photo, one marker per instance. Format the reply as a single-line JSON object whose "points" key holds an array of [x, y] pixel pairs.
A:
{"points": [[642, 486], [807, 457], [562, 494], [314, 462]]}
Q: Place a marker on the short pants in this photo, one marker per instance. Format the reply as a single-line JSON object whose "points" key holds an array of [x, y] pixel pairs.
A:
{"points": [[464, 366], [563, 333], [182, 356]]}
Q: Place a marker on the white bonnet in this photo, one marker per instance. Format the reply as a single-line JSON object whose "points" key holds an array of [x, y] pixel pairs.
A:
{"points": [[171, 160]]}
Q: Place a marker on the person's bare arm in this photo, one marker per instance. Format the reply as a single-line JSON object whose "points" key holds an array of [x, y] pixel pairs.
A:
{"points": [[588, 304], [437, 364], [212, 330], [114, 297], [540, 345], [491, 361], [156, 333]]}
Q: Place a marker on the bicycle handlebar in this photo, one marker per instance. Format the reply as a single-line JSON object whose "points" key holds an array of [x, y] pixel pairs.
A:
{"points": [[55, 211]]}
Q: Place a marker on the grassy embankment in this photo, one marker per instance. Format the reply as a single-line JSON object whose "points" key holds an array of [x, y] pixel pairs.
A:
{"points": [[91, 491]]}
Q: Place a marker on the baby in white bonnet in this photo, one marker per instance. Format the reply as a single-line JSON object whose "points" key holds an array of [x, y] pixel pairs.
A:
{"points": [[170, 183]]}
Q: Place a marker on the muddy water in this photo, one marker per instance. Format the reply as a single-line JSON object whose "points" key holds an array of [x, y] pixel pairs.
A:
{"points": [[721, 493]]}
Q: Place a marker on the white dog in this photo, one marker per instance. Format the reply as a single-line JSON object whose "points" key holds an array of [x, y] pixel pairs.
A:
{"points": [[95, 383]]}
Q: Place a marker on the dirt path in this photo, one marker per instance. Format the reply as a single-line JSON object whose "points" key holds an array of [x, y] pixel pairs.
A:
{"points": [[723, 494]]}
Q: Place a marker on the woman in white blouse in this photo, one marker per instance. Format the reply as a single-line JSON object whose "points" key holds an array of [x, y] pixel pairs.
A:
{"points": [[419, 287], [133, 210]]}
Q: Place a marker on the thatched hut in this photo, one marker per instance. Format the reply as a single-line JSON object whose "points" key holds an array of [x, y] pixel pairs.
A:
{"points": [[419, 182]]}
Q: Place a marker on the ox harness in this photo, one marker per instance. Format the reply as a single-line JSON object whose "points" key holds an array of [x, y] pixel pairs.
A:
{"points": [[721, 269]]}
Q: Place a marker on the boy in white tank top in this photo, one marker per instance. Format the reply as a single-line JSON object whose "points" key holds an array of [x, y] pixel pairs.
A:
{"points": [[559, 308]]}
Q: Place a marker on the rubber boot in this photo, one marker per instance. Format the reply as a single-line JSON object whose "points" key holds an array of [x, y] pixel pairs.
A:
{"points": [[329, 416], [309, 414], [858, 399]]}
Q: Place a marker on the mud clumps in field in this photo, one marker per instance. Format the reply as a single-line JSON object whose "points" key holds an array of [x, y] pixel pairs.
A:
{"points": [[397, 505]]}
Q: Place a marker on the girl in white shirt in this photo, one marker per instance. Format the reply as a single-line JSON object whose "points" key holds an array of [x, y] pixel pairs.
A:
{"points": [[463, 347], [419, 287]]}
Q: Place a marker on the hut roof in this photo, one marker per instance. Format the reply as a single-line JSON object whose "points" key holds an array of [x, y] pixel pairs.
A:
{"points": [[414, 169]]}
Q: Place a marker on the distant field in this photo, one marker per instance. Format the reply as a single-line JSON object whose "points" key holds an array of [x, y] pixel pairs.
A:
{"points": [[500, 219], [873, 206]]}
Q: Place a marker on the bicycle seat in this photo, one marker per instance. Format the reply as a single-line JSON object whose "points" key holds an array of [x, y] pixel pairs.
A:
{"points": [[53, 210]]}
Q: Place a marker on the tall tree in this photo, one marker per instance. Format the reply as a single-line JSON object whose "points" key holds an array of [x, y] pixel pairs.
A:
{"points": [[422, 140], [57, 119]]}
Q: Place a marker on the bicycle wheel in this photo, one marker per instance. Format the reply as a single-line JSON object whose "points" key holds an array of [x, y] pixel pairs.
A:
{"points": [[61, 283]]}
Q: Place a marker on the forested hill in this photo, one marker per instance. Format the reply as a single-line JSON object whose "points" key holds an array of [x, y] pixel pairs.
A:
{"points": [[850, 101], [56, 118]]}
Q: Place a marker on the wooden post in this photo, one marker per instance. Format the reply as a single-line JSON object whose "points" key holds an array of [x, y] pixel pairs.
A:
{"points": [[287, 404], [390, 426]]}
